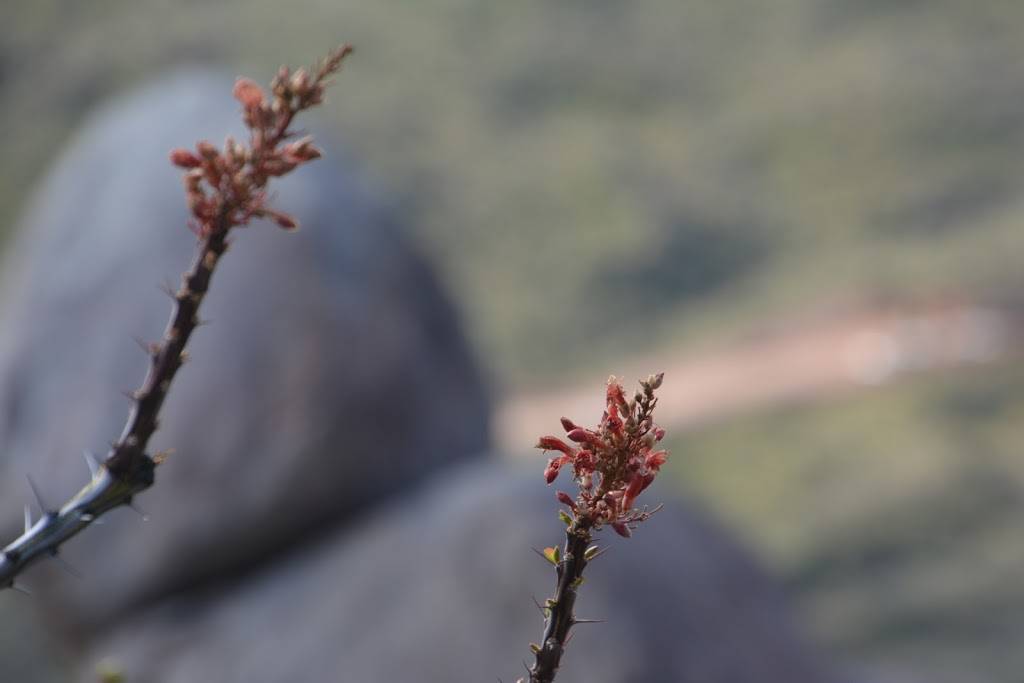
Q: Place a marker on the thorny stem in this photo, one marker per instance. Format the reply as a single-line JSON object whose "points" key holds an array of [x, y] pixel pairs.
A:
{"points": [[128, 453], [127, 469], [611, 466], [560, 617], [238, 197]]}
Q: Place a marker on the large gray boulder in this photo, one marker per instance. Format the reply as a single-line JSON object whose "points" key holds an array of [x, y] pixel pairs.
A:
{"points": [[436, 586]]}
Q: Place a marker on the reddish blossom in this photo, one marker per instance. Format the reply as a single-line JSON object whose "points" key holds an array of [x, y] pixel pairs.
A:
{"points": [[225, 188], [184, 158], [301, 150], [249, 93], [656, 459], [580, 435], [551, 472], [616, 397], [616, 463], [207, 150], [566, 499], [283, 220], [611, 420], [632, 490], [552, 443]]}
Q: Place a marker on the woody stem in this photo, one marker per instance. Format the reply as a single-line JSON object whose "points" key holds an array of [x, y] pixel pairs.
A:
{"points": [[560, 615]]}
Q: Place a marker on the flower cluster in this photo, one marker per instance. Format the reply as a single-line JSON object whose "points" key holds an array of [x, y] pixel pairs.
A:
{"points": [[612, 463], [225, 187]]}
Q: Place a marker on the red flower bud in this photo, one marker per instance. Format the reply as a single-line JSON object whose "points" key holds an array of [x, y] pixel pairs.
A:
{"points": [[615, 395], [277, 166], [301, 150], [580, 435], [207, 150], [621, 529], [551, 473], [184, 158], [282, 219], [656, 459], [300, 81], [552, 443], [636, 484], [613, 421], [659, 433], [568, 425], [584, 461], [248, 93], [565, 499]]}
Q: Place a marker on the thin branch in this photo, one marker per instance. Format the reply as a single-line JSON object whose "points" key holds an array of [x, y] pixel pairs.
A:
{"points": [[612, 465], [232, 196], [560, 617], [127, 470]]}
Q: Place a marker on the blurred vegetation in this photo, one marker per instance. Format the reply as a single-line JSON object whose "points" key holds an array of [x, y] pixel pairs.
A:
{"points": [[594, 176], [895, 516], [697, 167]]}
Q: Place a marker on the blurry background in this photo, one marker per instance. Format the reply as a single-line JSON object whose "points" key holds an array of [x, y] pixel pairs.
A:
{"points": [[808, 213]]}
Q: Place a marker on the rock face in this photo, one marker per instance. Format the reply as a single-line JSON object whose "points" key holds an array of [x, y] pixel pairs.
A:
{"points": [[321, 518], [436, 586]]}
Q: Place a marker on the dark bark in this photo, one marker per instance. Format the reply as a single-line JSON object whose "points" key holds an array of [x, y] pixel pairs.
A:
{"points": [[560, 615], [127, 469]]}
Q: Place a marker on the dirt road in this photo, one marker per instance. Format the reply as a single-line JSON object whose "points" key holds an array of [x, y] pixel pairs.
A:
{"points": [[840, 354]]}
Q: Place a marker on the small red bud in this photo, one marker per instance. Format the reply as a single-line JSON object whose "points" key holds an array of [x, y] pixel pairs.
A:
{"points": [[656, 459], [616, 395], [581, 435], [286, 222], [551, 473], [565, 499], [207, 150], [193, 180], [621, 529], [300, 81], [276, 166], [184, 158], [301, 150], [636, 485], [551, 443], [568, 425], [282, 219], [248, 93]]}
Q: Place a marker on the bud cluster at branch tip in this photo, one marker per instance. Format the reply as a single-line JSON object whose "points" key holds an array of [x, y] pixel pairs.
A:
{"points": [[225, 186], [612, 463]]}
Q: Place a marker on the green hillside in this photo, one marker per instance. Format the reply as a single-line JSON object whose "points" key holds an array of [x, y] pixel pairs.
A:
{"points": [[894, 516], [621, 173]]}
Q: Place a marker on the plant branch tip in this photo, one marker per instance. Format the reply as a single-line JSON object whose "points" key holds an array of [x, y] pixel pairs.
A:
{"points": [[612, 463]]}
